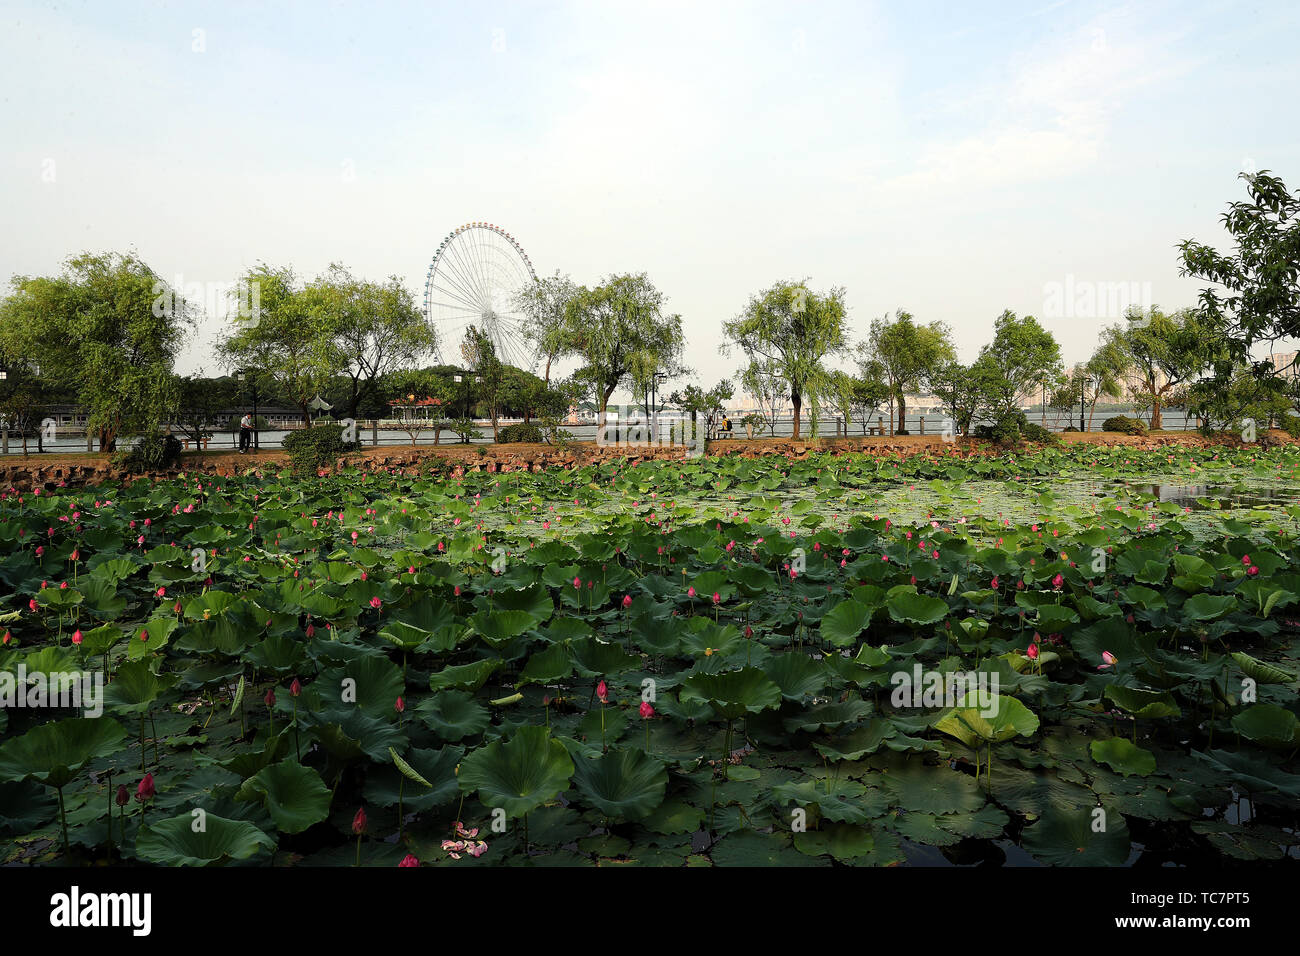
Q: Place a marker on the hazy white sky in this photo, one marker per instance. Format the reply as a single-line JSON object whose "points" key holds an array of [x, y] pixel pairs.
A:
{"points": [[950, 159]]}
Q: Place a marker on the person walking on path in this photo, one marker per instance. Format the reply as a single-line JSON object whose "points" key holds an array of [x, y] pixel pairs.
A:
{"points": [[245, 433]]}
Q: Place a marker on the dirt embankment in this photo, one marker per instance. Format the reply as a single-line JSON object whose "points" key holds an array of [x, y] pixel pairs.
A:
{"points": [[50, 471]]}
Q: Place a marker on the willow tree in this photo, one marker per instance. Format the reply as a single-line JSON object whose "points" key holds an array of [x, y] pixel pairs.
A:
{"points": [[1163, 353], [621, 333], [288, 340], [107, 331], [908, 354], [544, 304], [376, 328], [790, 330]]}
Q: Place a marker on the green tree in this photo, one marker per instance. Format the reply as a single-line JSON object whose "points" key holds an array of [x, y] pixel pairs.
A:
{"points": [[544, 306], [622, 334], [762, 381], [710, 405], [907, 355], [376, 328], [107, 330], [964, 392], [1022, 356], [23, 394], [481, 354], [1163, 352], [199, 402], [1259, 295], [790, 330], [289, 341]]}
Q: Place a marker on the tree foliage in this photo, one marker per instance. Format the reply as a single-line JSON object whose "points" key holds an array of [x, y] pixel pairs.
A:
{"points": [[107, 329], [790, 330]]}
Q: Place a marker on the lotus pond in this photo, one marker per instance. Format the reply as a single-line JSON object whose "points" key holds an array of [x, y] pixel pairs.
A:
{"points": [[665, 663]]}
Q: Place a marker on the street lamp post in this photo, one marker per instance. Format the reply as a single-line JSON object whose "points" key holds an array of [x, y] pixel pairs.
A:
{"points": [[1083, 381]]}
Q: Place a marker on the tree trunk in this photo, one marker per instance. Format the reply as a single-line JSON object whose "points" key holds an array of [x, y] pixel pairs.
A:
{"points": [[1155, 413], [796, 400], [902, 411]]}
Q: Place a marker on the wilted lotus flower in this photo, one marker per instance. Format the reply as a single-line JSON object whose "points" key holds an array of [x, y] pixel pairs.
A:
{"points": [[123, 796], [145, 790]]}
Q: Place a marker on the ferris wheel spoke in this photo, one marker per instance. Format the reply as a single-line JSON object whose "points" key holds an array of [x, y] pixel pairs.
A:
{"points": [[464, 279]]}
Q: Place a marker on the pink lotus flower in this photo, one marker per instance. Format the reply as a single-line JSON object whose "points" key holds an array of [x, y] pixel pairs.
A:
{"points": [[399, 705], [1032, 653], [690, 592], [145, 790], [359, 822], [1110, 660], [1245, 558], [295, 688], [76, 637], [409, 860], [1252, 570], [602, 692], [646, 710], [376, 603], [269, 699], [627, 601], [716, 598]]}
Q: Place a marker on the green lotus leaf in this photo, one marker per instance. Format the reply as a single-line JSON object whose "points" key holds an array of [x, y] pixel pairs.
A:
{"points": [[54, 753], [294, 795], [151, 638], [518, 775], [828, 716], [1009, 718], [1261, 672], [387, 784], [135, 687], [1208, 607], [908, 607], [798, 675], [733, 693], [623, 783], [453, 714], [1123, 756], [371, 684], [499, 627], [863, 740], [842, 624], [465, 676], [1269, 725], [1083, 837], [547, 667], [176, 842], [1142, 703]]}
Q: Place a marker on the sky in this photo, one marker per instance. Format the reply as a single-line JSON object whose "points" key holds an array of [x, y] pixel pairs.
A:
{"points": [[953, 160]]}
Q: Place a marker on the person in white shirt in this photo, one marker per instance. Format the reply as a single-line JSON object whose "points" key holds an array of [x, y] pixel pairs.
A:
{"points": [[245, 433]]}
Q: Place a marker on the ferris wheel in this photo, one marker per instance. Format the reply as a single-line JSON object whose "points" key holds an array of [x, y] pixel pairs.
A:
{"points": [[472, 280]]}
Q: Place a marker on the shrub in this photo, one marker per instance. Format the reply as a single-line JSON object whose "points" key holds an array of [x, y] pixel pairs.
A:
{"points": [[1124, 425], [527, 432], [1039, 434], [1289, 424], [151, 453], [464, 427], [315, 447]]}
